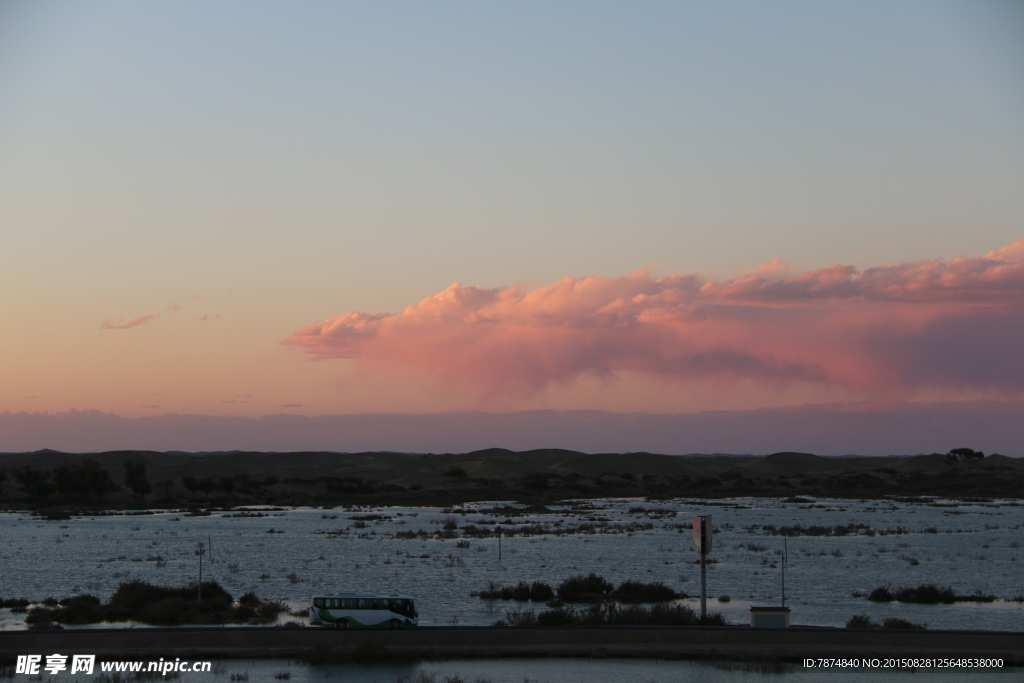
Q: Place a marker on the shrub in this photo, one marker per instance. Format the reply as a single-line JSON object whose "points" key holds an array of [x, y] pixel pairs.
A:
{"points": [[268, 611], [81, 609], [882, 594], [249, 600], [559, 616], [638, 591], [893, 622], [861, 621], [159, 605], [518, 617], [13, 603], [976, 596], [522, 591], [926, 594], [135, 595], [589, 588], [541, 592]]}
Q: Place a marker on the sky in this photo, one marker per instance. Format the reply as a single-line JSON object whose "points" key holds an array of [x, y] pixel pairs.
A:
{"points": [[246, 209]]}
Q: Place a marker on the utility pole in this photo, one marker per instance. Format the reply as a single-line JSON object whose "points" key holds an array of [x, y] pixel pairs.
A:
{"points": [[200, 584], [785, 556], [703, 586], [702, 545]]}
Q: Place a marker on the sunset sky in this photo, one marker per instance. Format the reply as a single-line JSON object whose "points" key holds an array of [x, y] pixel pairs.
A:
{"points": [[247, 209]]}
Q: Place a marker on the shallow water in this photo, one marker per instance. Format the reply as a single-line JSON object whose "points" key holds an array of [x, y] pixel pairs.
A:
{"points": [[288, 555], [558, 671]]}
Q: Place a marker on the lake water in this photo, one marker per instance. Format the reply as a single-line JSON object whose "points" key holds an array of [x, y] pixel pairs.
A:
{"points": [[291, 554]]}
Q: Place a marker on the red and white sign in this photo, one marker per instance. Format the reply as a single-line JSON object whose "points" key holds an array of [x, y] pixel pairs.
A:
{"points": [[702, 534]]}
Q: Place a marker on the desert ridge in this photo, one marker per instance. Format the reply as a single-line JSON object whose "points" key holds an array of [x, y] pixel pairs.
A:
{"points": [[52, 479]]}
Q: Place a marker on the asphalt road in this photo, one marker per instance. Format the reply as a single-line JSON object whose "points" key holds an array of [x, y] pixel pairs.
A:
{"points": [[474, 642]]}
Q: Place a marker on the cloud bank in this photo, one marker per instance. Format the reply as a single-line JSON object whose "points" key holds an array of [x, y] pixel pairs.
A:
{"points": [[884, 331]]}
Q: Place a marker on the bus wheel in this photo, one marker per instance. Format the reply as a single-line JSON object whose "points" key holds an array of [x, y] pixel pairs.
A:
{"points": [[341, 623], [395, 623]]}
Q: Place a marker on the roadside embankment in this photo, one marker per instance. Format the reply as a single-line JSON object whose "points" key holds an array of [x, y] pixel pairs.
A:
{"points": [[475, 642]]}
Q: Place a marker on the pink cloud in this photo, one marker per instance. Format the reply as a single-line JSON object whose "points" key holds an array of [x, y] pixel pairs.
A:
{"points": [[107, 325], [884, 330], [142, 320]]}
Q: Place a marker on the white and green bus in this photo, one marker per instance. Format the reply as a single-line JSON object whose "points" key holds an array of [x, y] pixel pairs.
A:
{"points": [[362, 610]]}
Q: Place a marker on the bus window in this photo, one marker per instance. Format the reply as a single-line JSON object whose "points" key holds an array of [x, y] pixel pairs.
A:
{"points": [[364, 603], [318, 602], [380, 604], [400, 607], [349, 603]]}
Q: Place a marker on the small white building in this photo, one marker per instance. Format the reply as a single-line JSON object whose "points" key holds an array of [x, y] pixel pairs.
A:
{"points": [[769, 617]]}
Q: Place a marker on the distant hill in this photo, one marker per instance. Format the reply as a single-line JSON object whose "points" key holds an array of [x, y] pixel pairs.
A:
{"points": [[328, 478]]}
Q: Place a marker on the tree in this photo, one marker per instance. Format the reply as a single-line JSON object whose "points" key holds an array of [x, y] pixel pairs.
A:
{"points": [[227, 484], [83, 479], [964, 454], [192, 484], [206, 485], [135, 478], [35, 482]]}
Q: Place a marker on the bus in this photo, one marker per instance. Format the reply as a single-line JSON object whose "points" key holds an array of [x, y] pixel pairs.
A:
{"points": [[363, 610]]}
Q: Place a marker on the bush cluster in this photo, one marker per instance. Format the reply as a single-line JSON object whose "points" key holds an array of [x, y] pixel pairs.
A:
{"points": [[638, 591], [537, 591], [589, 588], [145, 603], [864, 621], [926, 594]]}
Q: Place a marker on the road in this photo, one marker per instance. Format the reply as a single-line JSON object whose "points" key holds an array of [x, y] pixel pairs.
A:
{"points": [[473, 642]]}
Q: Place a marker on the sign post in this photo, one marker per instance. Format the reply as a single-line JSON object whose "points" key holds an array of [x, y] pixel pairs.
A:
{"points": [[199, 552], [785, 557], [702, 545]]}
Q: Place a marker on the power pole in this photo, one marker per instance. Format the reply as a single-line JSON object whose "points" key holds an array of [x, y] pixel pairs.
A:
{"points": [[702, 545], [200, 585], [785, 556], [703, 586]]}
